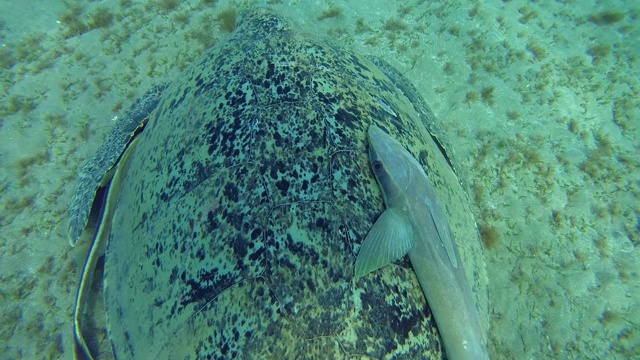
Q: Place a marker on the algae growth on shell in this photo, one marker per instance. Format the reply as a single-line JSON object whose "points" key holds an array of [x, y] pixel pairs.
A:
{"points": [[246, 200]]}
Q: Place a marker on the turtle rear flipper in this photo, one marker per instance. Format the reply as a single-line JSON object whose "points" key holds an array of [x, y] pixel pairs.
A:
{"points": [[98, 170]]}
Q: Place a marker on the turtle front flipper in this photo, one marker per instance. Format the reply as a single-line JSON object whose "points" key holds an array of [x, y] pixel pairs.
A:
{"points": [[81, 349], [96, 172]]}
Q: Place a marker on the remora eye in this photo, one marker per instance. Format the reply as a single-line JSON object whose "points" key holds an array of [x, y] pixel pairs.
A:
{"points": [[377, 165]]}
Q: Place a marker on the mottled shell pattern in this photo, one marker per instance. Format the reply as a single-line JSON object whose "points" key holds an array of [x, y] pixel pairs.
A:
{"points": [[239, 220]]}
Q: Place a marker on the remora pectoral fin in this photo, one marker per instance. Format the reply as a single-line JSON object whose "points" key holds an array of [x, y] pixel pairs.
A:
{"points": [[390, 238]]}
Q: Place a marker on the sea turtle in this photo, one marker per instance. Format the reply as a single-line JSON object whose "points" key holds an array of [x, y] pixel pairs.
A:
{"points": [[235, 228]]}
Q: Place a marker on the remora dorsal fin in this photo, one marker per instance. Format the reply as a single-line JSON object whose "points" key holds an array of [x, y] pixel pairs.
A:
{"points": [[443, 228]]}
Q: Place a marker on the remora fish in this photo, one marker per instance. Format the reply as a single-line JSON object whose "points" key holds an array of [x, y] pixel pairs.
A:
{"points": [[415, 223]]}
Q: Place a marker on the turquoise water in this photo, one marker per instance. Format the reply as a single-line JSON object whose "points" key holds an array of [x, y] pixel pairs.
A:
{"points": [[539, 102]]}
